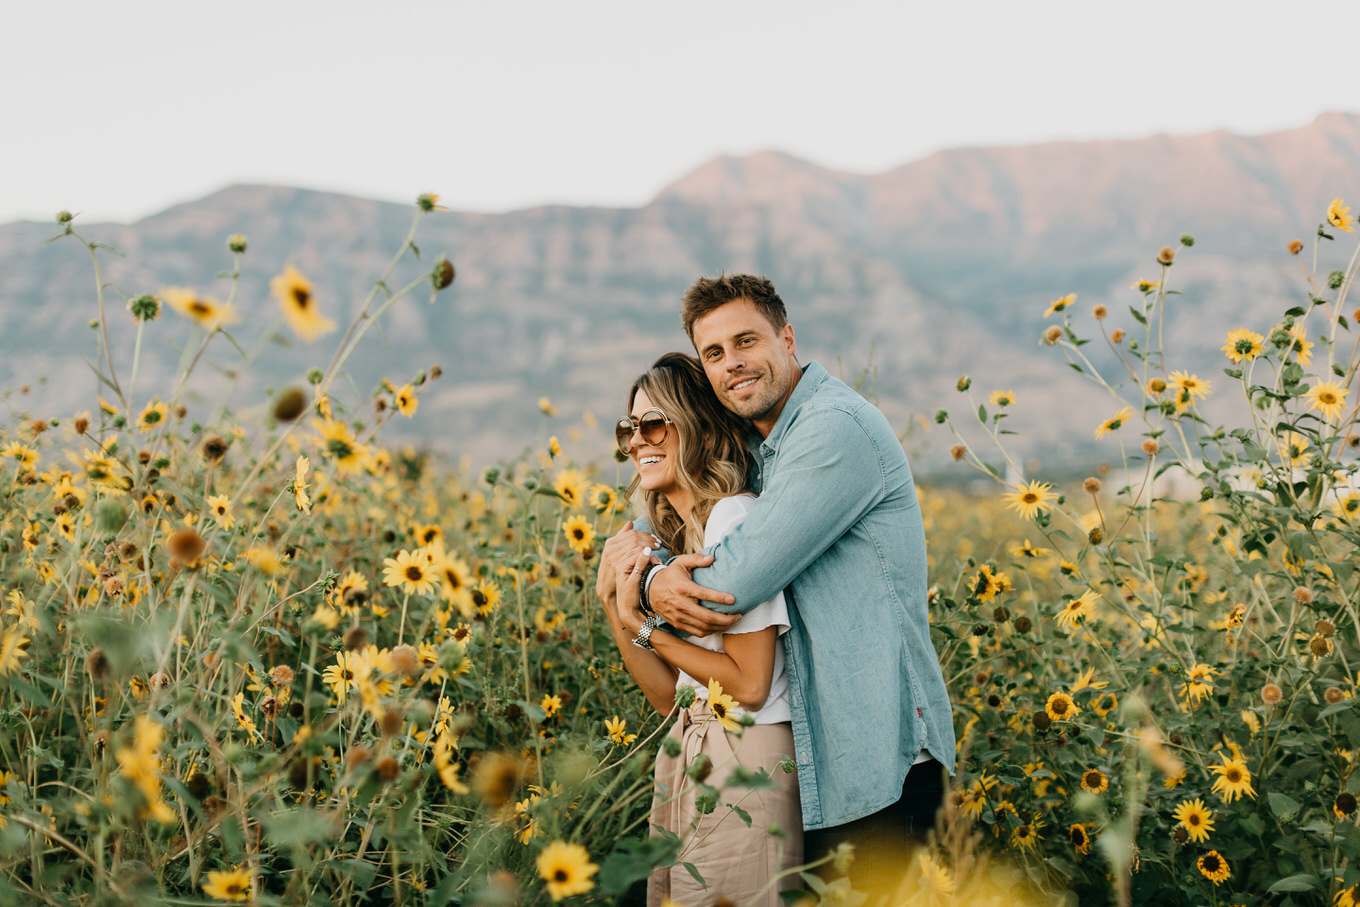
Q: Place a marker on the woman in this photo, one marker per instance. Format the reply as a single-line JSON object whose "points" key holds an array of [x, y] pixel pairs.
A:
{"points": [[692, 466]]}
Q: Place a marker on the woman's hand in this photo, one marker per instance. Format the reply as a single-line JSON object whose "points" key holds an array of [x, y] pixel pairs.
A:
{"points": [[628, 591], [622, 547]]}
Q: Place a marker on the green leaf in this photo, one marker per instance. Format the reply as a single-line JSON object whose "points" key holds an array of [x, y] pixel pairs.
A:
{"points": [[742, 814], [982, 414], [1284, 806], [1137, 315], [1303, 881], [695, 872]]}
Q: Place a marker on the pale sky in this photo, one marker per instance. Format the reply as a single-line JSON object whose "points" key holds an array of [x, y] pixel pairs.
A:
{"points": [[117, 110]]}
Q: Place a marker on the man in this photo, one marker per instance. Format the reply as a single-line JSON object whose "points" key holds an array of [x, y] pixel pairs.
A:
{"points": [[838, 527]]}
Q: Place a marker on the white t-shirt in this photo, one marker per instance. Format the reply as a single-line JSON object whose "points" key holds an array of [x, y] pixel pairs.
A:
{"points": [[725, 516]]}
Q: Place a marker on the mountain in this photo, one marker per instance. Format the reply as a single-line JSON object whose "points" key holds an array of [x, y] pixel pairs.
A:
{"points": [[937, 268]]}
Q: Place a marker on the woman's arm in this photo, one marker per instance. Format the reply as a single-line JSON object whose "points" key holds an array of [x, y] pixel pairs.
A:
{"points": [[744, 669], [653, 675]]}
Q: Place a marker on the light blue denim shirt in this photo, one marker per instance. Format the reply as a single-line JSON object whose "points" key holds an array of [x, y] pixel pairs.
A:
{"points": [[837, 525]]}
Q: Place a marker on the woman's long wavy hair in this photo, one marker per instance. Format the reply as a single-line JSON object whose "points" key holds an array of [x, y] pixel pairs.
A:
{"points": [[714, 461]]}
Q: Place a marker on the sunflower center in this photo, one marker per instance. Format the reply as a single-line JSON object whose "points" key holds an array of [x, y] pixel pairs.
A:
{"points": [[414, 573], [560, 875], [198, 307], [302, 297]]}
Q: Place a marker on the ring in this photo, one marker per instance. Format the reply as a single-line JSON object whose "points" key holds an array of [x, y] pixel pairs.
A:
{"points": [[646, 552]]}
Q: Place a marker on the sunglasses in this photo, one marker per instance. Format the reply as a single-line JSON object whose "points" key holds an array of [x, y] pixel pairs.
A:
{"points": [[652, 426]]}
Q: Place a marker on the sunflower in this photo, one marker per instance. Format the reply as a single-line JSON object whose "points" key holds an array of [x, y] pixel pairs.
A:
{"points": [[1080, 838], [486, 596], [1002, 398], [339, 444], [445, 766], [209, 314], [1105, 704], [1213, 867], [546, 406], [1187, 388], [603, 498], [428, 535], [934, 874], [410, 571], [989, 583], [219, 506], [294, 293], [1060, 707], [228, 886], [1114, 423], [350, 592], [1026, 836], [1242, 344], [13, 647], [25, 456], [1145, 286], [1061, 304], [1348, 897], [1028, 550], [1093, 781], [454, 578], [1195, 819], [405, 400], [554, 448], [340, 676], [580, 534], [1031, 499], [552, 704], [724, 707], [1233, 779], [1349, 506], [617, 729], [1339, 216], [570, 486], [1199, 682], [153, 416], [1077, 610], [567, 869], [300, 495], [1328, 398]]}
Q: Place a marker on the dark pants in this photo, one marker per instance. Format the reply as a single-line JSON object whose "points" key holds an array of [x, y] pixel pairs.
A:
{"points": [[884, 840]]}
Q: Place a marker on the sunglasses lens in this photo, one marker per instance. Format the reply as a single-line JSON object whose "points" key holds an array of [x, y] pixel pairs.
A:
{"points": [[653, 429], [623, 431]]}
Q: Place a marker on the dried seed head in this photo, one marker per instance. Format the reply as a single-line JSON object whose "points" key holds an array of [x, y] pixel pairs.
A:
{"points": [[1320, 646], [215, 448], [289, 404], [282, 675], [186, 546], [1022, 624], [405, 660], [356, 638], [1295, 246], [1303, 595], [1041, 721], [1099, 312], [1325, 627], [81, 424], [391, 723], [1271, 694], [1091, 485], [1345, 803], [1117, 335], [97, 663], [1150, 446], [1053, 334], [1333, 695], [159, 681], [1166, 255], [958, 452]]}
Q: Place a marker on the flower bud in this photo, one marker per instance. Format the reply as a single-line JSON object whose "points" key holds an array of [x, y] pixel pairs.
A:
{"points": [[145, 308], [941, 417], [65, 217], [963, 384], [289, 404], [443, 273], [236, 243], [1187, 240]]}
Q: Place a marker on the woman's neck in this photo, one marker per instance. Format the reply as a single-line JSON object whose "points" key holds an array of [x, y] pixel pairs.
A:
{"points": [[682, 502]]}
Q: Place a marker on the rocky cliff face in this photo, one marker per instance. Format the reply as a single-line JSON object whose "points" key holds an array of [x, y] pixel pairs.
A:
{"points": [[936, 268]]}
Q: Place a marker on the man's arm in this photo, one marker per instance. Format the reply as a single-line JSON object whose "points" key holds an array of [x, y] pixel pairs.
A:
{"points": [[830, 473]]}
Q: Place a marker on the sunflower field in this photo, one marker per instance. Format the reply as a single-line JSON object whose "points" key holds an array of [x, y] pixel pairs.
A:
{"points": [[272, 660]]}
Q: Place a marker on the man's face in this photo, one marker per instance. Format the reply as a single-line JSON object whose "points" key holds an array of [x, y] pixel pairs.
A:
{"points": [[749, 363]]}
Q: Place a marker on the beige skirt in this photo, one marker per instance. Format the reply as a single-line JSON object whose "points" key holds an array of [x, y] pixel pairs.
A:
{"points": [[737, 861]]}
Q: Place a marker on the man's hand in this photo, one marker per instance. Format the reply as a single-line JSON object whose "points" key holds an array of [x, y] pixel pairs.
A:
{"points": [[621, 548], [676, 597]]}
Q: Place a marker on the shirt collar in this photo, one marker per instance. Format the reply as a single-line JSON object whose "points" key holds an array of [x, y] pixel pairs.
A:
{"points": [[813, 377]]}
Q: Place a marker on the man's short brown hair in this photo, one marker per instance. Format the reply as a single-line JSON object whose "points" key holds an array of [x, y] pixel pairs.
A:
{"points": [[709, 293]]}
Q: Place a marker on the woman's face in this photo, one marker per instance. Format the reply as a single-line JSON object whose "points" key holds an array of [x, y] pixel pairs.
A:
{"points": [[657, 464]]}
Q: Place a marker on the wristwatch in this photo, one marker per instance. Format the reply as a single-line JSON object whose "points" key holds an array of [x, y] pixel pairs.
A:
{"points": [[643, 640]]}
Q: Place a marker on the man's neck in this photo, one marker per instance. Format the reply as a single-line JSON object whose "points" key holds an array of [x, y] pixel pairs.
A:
{"points": [[766, 425]]}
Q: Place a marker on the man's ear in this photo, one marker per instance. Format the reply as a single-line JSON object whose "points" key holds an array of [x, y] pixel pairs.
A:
{"points": [[789, 342]]}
